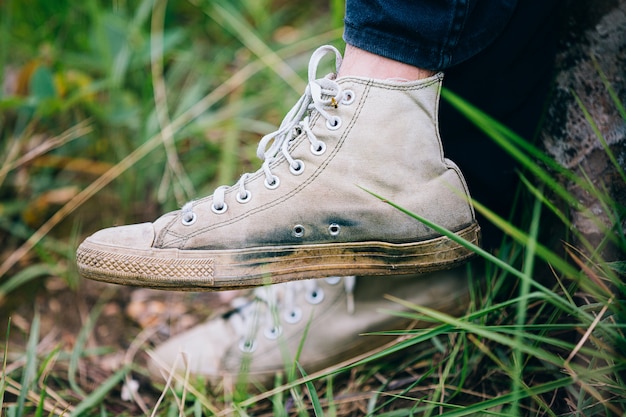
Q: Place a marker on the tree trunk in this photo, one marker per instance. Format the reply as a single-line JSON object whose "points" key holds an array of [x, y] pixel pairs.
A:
{"points": [[593, 46]]}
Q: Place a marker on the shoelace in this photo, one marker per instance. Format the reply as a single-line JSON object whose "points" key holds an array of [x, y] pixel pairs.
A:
{"points": [[272, 306], [320, 95]]}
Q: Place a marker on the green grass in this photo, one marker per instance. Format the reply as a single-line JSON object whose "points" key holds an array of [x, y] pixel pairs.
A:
{"points": [[180, 92]]}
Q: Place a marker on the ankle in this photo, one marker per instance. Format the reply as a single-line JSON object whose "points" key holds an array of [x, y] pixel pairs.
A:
{"points": [[360, 63]]}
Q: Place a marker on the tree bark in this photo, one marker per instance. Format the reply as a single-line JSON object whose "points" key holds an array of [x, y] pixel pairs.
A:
{"points": [[593, 43]]}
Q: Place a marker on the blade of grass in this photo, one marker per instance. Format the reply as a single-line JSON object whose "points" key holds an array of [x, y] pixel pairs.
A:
{"points": [[315, 400], [418, 383], [122, 60], [522, 306], [172, 375], [440, 389], [3, 381], [81, 340], [15, 388], [232, 21], [45, 369], [77, 131], [22, 277], [278, 400], [514, 375], [609, 88], [504, 399], [97, 395], [509, 141], [41, 403], [598, 134], [161, 105], [331, 410], [296, 358], [559, 344], [30, 369], [5, 29]]}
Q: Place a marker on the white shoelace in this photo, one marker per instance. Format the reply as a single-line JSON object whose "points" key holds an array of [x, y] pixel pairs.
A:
{"points": [[271, 307], [320, 95]]}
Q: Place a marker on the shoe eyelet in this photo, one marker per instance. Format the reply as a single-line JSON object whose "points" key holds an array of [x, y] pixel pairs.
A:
{"points": [[219, 210], [189, 218], [293, 316], [333, 123], [315, 297], [272, 333], [348, 97], [297, 131], [244, 198], [319, 148], [334, 229], [298, 168], [298, 230], [274, 184], [247, 346]]}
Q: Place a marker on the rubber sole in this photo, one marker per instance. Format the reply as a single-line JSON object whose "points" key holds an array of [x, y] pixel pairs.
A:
{"points": [[219, 270]]}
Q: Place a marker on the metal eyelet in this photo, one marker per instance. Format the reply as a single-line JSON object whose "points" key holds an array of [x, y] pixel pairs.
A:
{"points": [[318, 149], [189, 219], [219, 210], [297, 131], [244, 198], [298, 168], [274, 184], [298, 230], [315, 297], [333, 123], [334, 229], [293, 316], [348, 97], [272, 333], [247, 346]]}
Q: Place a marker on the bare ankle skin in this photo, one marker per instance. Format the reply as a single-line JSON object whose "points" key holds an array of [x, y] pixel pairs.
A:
{"points": [[360, 63]]}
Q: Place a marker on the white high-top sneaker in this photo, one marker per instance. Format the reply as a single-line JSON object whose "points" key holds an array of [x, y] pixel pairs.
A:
{"points": [[328, 319], [304, 213]]}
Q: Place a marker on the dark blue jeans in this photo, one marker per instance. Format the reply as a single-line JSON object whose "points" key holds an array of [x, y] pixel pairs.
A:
{"points": [[430, 34]]}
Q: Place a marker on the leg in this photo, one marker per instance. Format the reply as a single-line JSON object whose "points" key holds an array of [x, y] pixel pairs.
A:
{"points": [[360, 63]]}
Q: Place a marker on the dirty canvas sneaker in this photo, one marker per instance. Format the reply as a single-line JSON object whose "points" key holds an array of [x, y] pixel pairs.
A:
{"points": [[328, 318], [304, 214]]}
